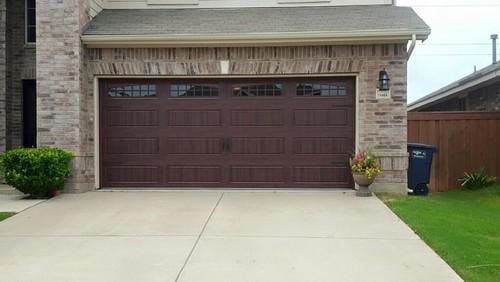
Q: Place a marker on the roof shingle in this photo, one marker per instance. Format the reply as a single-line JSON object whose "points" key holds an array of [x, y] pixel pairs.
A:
{"points": [[206, 22]]}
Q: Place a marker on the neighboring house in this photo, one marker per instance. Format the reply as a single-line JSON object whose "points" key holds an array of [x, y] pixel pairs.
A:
{"points": [[479, 91], [175, 93]]}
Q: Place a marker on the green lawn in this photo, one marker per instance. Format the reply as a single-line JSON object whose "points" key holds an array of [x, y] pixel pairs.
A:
{"points": [[463, 227], [5, 215]]}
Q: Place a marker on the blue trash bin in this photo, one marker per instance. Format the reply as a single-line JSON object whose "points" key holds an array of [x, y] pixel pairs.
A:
{"points": [[419, 167]]}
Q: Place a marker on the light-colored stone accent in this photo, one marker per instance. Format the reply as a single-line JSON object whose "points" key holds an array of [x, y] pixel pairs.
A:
{"points": [[61, 101]]}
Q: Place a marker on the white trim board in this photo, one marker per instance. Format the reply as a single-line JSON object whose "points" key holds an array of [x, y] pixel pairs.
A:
{"points": [[157, 4], [254, 39]]}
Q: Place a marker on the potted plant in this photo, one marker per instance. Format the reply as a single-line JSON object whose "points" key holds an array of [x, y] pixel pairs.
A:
{"points": [[364, 168]]}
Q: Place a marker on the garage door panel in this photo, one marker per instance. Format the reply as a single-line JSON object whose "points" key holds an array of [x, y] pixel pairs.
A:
{"points": [[321, 117], [125, 103], [121, 118], [194, 174], [320, 103], [258, 174], [259, 132], [194, 103], [322, 158], [132, 146], [191, 132], [321, 161], [132, 175], [325, 132], [254, 117], [194, 145], [194, 118], [257, 145], [133, 131], [322, 145], [321, 174]]}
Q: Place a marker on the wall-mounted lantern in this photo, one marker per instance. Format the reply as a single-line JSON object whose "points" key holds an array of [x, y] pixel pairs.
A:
{"points": [[383, 80], [383, 89]]}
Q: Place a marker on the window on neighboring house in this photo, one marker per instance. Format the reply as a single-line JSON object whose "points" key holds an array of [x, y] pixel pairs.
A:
{"points": [[462, 104], [30, 21]]}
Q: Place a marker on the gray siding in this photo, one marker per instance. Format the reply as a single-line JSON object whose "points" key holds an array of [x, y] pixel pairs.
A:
{"points": [[484, 99]]}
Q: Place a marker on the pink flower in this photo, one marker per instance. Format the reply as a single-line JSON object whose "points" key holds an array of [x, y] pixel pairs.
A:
{"points": [[359, 157]]}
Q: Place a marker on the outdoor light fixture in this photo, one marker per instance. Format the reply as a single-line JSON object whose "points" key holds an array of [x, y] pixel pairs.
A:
{"points": [[383, 80]]}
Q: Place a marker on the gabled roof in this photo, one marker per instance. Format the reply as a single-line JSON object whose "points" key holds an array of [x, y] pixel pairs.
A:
{"points": [[244, 25], [484, 75]]}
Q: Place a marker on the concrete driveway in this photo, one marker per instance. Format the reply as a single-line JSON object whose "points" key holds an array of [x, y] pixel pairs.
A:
{"points": [[214, 236]]}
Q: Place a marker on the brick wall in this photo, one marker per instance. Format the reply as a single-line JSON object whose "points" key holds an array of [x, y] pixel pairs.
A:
{"points": [[21, 65], [61, 103], [382, 123]]}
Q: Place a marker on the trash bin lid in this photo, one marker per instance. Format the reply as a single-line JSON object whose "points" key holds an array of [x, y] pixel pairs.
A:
{"points": [[422, 146]]}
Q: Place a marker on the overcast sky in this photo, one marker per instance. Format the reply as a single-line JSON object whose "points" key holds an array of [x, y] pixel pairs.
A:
{"points": [[459, 40]]}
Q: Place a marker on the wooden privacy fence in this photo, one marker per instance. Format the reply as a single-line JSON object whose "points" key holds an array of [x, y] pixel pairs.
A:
{"points": [[466, 141]]}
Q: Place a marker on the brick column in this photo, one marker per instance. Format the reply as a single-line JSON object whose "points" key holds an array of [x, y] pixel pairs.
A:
{"points": [[3, 76], [383, 123], [60, 72]]}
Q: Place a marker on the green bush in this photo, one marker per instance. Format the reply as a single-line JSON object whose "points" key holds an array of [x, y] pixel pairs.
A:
{"points": [[36, 171], [476, 180]]}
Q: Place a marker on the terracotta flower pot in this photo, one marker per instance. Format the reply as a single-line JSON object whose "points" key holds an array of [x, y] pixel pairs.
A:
{"points": [[56, 192], [363, 183]]}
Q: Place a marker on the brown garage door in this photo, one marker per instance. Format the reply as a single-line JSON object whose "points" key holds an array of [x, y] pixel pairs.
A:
{"points": [[226, 132]]}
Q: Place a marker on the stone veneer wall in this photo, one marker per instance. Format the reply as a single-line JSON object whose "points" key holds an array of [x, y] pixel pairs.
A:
{"points": [[20, 66], [61, 100], [382, 123]]}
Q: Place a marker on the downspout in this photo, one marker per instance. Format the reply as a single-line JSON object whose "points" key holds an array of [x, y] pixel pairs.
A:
{"points": [[412, 45]]}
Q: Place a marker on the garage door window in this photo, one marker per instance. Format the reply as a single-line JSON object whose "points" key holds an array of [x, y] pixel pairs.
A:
{"points": [[135, 90], [252, 90], [193, 90], [321, 89]]}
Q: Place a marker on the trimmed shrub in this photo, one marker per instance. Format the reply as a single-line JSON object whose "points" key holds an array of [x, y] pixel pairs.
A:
{"points": [[476, 180], [36, 171]]}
